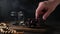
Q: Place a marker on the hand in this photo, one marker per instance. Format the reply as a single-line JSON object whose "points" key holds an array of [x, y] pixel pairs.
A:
{"points": [[49, 6]]}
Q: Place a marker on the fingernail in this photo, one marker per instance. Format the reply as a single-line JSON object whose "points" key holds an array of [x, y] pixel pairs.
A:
{"points": [[44, 18]]}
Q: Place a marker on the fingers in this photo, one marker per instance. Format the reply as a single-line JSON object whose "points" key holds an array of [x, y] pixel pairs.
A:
{"points": [[41, 6], [51, 8]]}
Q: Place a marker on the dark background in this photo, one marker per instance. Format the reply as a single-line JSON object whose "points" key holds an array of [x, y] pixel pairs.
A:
{"points": [[29, 7], [7, 6]]}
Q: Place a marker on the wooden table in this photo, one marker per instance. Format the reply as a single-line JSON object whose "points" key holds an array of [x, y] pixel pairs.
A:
{"points": [[22, 29]]}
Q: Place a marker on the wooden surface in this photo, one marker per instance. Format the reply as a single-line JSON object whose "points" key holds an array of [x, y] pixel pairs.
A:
{"points": [[19, 33], [21, 28]]}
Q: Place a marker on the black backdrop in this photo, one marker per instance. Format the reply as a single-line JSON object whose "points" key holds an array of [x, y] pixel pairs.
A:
{"points": [[28, 6], [6, 6]]}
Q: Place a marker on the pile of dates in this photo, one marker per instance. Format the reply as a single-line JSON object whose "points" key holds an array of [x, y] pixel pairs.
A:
{"points": [[33, 23]]}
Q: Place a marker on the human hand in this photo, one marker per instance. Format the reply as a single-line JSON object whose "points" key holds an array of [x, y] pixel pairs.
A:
{"points": [[49, 6]]}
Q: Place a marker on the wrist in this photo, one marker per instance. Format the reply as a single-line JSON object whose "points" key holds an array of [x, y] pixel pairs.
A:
{"points": [[54, 1]]}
